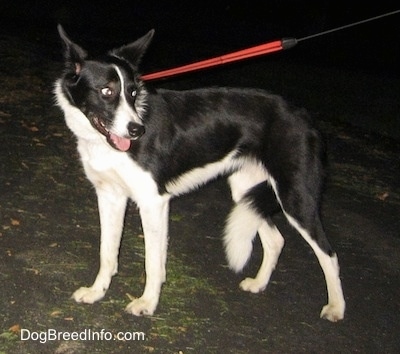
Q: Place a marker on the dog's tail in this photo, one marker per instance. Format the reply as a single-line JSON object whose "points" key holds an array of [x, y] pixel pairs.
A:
{"points": [[240, 230]]}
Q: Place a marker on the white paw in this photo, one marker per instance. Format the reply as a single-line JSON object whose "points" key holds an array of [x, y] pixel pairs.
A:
{"points": [[333, 313], [141, 307], [252, 285], [88, 295]]}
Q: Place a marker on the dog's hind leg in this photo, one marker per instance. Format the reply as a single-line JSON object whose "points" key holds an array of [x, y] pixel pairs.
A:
{"points": [[249, 187], [243, 222], [112, 206], [272, 242], [300, 206], [328, 261]]}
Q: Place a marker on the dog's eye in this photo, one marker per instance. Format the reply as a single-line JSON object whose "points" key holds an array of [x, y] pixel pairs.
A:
{"points": [[133, 93], [107, 92]]}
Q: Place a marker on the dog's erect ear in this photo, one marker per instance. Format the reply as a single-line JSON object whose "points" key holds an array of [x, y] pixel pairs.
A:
{"points": [[133, 52], [74, 55]]}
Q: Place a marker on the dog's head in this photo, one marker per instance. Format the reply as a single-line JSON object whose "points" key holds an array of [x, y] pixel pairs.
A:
{"points": [[107, 90]]}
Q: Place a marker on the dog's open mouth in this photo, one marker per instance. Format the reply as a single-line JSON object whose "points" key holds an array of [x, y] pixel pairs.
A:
{"points": [[117, 142]]}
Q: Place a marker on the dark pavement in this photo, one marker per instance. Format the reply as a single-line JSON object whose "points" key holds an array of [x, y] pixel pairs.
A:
{"points": [[49, 229]]}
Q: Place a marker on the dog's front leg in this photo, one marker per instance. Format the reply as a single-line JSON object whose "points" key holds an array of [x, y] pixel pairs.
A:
{"points": [[155, 226], [112, 205]]}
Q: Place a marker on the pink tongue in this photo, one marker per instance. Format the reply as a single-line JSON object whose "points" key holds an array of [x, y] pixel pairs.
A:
{"points": [[119, 143]]}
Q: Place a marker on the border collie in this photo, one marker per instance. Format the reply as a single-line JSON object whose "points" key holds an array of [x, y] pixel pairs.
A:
{"points": [[152, 146]]}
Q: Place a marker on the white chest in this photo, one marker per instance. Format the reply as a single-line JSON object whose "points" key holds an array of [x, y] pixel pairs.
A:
{"points": [[115, 171]]}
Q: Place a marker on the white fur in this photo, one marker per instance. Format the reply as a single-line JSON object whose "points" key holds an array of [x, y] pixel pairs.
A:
{"points": [[75, 119], [243, 222], [335, 308], [250, 174], [124, 114], [272, 242], [202, 175], [111, 173], [240, 231]]}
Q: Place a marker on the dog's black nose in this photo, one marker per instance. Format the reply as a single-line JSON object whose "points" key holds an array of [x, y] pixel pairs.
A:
{"points": [[135, 130]]}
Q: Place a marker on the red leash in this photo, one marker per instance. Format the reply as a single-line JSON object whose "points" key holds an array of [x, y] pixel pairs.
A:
{"points": [[265, 48]]}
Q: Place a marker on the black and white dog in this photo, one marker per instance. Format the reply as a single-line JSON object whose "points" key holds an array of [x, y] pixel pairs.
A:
{"points": [[153, 146]]}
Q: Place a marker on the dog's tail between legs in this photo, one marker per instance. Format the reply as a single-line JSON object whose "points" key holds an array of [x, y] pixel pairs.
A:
{"points": [[240, 230]]}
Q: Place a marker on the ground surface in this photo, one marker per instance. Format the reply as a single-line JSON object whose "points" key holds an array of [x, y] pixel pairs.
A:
{"points": [[49, 230]]}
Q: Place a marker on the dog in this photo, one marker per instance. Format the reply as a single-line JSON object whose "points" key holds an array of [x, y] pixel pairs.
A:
{"points": [[152, 145]]}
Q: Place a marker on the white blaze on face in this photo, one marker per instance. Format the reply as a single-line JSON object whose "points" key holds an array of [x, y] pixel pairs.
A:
{"points": [[124, 113]]}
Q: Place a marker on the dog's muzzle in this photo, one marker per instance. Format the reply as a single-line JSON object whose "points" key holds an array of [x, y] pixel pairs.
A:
{"points": [[135, 131]]}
